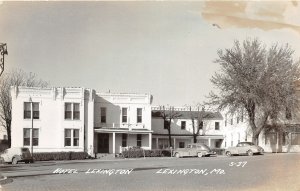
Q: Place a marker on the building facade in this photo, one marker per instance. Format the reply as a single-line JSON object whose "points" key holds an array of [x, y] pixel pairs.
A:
{"points": [[79, 119], [182, 128]]}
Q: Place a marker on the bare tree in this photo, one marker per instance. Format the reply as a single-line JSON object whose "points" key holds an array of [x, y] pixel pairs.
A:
{"points": [[168, 114], [260, 80], [198, 116], [16, 77]]}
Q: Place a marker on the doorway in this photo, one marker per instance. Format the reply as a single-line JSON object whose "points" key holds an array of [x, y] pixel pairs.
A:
{"points": [[103, 143]]}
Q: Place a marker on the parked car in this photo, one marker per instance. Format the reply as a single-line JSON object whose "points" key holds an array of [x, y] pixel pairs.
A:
{"points": [[196, 149], [243, 148], [16, 154]]}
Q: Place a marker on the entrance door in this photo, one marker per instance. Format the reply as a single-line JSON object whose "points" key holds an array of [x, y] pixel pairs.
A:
{"points": [[103, 143]]}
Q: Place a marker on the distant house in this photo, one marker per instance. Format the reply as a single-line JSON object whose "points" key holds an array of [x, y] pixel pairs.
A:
{"points": [[182, 129], [285, 139], [79, 119]]}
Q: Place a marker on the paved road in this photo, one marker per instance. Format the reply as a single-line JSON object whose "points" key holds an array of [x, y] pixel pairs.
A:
{"points": [[276, 172]]}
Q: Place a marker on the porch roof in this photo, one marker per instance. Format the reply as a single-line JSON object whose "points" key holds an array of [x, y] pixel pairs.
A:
{"points": [[123, 130], [188, 136]]}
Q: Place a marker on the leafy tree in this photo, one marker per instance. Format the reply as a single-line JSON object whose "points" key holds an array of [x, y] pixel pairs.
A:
{"points": [[16, 77], [259, 80]]}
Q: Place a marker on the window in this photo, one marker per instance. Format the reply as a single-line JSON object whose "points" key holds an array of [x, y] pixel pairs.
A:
{"points": [[5, 137], [124, 115], [245, 136], [68, 110], [35, 138], [139, 140], [183, 125], [201, 125], [166, 124], [72, 111], [27, 137], [231, 121], [181, 144], [71, 137], [76, 111], [242, 117], [237, 120], [103, 114], [27, 110], [124, 140], [295, 138], [225, 122], [67, 137], [288, 113], [36, 111], [217, 125], [76, 137], [139, 115]]}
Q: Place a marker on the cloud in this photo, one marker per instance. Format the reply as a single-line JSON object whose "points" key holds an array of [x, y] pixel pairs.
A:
{"points": [[253, 14]]}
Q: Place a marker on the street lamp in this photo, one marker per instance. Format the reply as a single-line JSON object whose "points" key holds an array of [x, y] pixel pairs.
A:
{"points": [[30, 100], [3, 51]]}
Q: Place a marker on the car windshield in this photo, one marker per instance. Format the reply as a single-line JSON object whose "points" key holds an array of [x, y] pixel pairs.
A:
{"points": [[205, 147]]}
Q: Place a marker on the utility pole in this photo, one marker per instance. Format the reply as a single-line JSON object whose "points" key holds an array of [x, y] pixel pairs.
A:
{"points": [[3, 51]]}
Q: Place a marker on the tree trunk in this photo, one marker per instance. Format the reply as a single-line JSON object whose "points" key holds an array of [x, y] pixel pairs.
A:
{"points": [[169, 134], [255, 138], [8, 135]]}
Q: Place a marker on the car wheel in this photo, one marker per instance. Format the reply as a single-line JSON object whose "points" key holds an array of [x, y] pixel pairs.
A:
{"points": [[228, 153], [249, 153], [200, 155], [14, 161], [177, 155]]}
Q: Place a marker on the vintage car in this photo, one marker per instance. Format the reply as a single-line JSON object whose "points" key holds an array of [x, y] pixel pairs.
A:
{"points": [[244, 148], [196, 149], [16, 154]]}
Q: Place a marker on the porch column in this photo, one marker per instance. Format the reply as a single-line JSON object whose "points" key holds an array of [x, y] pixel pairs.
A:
{"points": [[150, 141], [209, 143], [174, 144], [114, 142], [156, 142]]}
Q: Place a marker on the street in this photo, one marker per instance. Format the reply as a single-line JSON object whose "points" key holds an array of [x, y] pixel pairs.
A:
{"points": [[274, 172]]}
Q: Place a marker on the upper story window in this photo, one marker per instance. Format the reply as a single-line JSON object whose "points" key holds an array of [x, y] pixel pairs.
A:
{"points": [[183, 125], [201, 125], [72, 111], [237, 120], [124, 115], [166, 124], [76, 111], [231, 121], [103, 114], [139, 115], [35, 110], [225, 122], [217, 125]]}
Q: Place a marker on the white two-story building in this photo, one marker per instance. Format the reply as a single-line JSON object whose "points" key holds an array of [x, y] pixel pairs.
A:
{"points": [[79, 119], [211, 133]]}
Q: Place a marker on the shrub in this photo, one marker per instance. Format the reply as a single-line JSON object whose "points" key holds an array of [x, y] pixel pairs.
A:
{"points": [[137, 153], [46, 156]]}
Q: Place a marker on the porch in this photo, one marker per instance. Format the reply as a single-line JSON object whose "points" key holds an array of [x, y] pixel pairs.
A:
{"points": [[162, 141], [114, 140]]}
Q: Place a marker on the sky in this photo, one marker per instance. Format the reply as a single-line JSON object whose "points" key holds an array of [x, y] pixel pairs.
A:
{"points": [[163, 48]]}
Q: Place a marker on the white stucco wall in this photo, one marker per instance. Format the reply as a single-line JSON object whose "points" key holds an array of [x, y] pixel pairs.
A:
{"points": [[51, 123]]}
